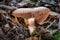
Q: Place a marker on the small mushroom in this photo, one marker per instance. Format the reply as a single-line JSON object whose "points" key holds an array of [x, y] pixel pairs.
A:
{"points": [[39, 13]]}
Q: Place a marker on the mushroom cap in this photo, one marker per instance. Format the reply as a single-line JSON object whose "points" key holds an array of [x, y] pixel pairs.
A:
{"points": [[39, 13], [22, 12]]}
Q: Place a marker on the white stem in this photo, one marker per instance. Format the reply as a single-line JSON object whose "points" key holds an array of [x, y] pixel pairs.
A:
{"points": [[31, 25]]}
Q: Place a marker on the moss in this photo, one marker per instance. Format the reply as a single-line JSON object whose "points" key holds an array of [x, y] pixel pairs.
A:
{"points": [[56, 35], [33, 1]]}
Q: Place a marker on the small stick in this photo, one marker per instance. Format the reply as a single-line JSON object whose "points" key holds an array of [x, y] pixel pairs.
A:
{"points": [[50, 24]]}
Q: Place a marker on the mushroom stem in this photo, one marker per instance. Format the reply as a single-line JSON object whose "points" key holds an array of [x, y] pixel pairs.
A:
{"points": [[31, 25], [26, 21]]}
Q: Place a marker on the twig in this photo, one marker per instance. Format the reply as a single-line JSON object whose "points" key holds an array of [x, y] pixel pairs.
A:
{"points": [[8, 7], [50, 24]]}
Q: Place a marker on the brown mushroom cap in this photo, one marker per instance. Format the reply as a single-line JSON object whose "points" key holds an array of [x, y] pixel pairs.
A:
{"points": [[23, 12], [39, 13]]}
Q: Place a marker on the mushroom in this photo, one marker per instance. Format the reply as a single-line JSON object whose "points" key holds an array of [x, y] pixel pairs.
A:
{"points": [[39, 13]]}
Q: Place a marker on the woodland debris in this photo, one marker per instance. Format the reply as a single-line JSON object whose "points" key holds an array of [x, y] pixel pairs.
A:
{"points": [[59, 22], [32, 38], [50, 24], [8, 7], [14, 25]]}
